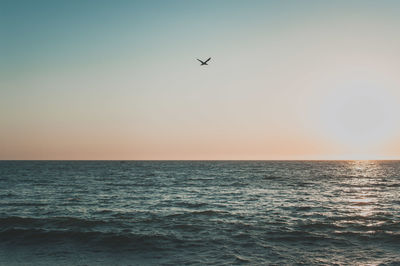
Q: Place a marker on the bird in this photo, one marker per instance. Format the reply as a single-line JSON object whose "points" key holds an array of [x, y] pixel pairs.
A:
{"points": [[204, 63]]}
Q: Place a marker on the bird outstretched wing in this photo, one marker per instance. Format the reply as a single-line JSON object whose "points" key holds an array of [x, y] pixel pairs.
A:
{"points": [[200, 61], [207, 60]]}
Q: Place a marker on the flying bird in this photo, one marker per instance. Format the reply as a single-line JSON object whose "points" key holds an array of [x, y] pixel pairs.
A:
{"points": [[204, 63]]}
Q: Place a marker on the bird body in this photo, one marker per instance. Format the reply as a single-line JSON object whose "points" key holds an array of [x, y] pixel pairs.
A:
{"points": [[204, 63]]}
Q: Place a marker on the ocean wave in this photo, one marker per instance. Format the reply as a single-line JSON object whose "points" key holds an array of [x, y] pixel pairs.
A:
{"points": [[297, 236], [105, 239], [372, 235], [319, 226], [15, 222], [271, 177], [188, 204], [197, 213], [25, 204]]}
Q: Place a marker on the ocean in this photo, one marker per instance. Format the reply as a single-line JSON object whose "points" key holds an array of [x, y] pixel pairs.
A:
{"points": [[199, 212]]}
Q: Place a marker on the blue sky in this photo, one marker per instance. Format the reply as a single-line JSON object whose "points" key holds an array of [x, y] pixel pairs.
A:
{"points": [[78, 75]]}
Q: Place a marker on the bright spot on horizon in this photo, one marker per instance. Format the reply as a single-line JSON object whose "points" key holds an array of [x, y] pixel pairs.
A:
{"points": [[360, 116]]}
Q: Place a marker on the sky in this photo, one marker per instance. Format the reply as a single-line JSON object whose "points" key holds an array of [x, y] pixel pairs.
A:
{"points": [[119, 80]]}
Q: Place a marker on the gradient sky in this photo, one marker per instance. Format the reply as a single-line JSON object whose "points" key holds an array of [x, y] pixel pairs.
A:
{"points": [[120, 80]]}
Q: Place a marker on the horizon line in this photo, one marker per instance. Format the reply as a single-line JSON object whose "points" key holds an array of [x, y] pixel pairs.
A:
{"points": [[197, 160]]}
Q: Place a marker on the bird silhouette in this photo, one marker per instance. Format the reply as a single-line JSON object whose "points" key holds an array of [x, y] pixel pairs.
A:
{"points": [[204, 63]]}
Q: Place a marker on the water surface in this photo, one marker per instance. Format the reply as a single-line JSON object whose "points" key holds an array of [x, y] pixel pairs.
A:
{"points": [[199, 212]]}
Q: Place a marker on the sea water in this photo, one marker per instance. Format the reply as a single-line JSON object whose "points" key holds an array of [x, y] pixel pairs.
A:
{"points": [[199, 212]]}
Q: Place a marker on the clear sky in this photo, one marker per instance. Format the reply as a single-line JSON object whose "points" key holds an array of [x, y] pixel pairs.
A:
{"points": [[120, 80]]}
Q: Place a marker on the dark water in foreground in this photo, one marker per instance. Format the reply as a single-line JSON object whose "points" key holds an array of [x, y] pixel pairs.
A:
{"points": [[199, 212]]}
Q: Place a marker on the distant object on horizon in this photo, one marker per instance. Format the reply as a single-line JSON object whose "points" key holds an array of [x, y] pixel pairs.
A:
{"points": [[204, 63]]}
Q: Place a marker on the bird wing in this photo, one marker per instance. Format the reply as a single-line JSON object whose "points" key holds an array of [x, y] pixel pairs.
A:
{"points": [[207, 60], [200, 61]]}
